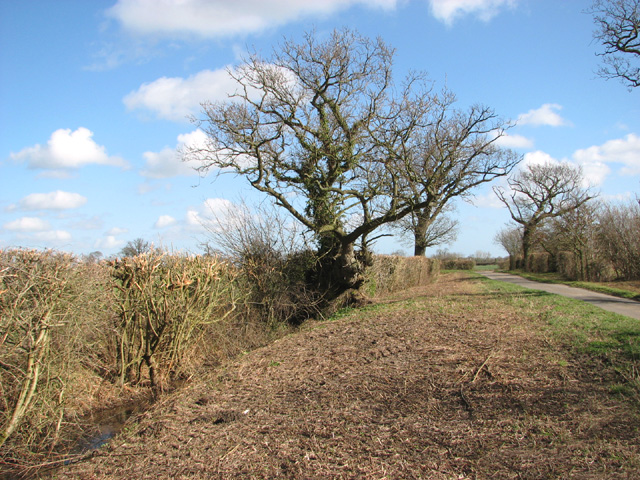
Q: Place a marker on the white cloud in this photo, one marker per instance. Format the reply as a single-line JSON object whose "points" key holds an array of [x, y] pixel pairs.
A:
{"points": [[222, 18], [53, 236], [27, 224], [217, 206], [177, 98], [537, 158], [594, 174], [514, 141], [165, 221], [488, 200], [596, 161], [57, 200], [168, 162], [449, 10], [206, 215], [545, 115], [67, 149], [624, 151], [117, 231], [109, 242]]}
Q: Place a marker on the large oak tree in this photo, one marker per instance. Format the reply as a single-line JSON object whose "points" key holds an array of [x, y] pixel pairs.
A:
{"points": [[456, 152], [321, 127]]}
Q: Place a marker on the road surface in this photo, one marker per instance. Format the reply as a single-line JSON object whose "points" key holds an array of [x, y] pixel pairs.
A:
{"points": [[623, 306]]}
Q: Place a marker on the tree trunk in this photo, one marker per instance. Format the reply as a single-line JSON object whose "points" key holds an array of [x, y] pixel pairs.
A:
{"points": [[420, 234], [339, 270], [527, 244]]}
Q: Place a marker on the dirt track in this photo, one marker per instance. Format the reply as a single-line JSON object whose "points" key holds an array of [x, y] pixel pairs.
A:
{"points": [[449, 382]]}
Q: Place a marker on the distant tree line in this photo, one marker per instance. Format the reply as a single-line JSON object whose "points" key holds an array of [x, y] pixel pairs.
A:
{"points": [[561, 226]]}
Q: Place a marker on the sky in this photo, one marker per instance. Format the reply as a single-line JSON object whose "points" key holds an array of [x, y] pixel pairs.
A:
{"points": [[95, 100]]}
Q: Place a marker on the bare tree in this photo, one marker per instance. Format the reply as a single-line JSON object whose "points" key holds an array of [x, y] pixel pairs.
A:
{"points": [[510, 238], [618, 29], [442, 230], [241, 232], [454, 153], [541, 192], [136, 247], [318, 127], [619, 238]]}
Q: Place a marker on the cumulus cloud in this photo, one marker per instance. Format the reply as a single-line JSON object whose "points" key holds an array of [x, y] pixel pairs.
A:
{"points": [[67, 149], [537, 158], [595, 160], [206, 215], [448, 11], [176, 98], [168, 162], [223, 18], [547, 114], [117, 231], [108, 242], [514, 141], [57, 200], [488, 200], [53, 236], [165, 221], [625, 151], [27, 224]]}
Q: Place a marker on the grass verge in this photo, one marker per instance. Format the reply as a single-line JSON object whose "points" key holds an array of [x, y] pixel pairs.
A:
{"points": [[612, 338], [630, 290]]}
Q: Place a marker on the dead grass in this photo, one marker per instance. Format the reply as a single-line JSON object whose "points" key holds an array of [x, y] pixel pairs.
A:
{"points": [[448, 381]]}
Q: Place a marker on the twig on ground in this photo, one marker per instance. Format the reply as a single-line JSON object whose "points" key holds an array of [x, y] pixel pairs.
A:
{"points": [[475, 377]]}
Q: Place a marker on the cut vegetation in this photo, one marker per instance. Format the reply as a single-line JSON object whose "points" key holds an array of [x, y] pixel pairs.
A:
{"points": [[464, 378]]}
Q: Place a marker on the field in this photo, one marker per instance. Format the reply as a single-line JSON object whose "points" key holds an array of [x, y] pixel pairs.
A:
{"points": [[463, 378]]}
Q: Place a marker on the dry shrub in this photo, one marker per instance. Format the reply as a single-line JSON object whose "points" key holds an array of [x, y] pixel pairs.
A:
{"points": [[277, 288], [270, 252], [458, 264], [164, 304], [505, 263], [390, 273], [538, 262], [49, 335], [619, 239], [568, 264]]}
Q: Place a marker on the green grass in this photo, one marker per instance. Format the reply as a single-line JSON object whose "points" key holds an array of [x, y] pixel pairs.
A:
{"points": [[486, 267], [583, 328], [593, 286], [586, 328]]}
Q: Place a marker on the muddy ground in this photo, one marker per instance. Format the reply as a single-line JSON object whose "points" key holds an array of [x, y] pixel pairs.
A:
{"points": [[448, 381]]}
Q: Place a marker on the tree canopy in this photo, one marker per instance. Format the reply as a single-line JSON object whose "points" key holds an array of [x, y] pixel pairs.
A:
{"points": [[541, 192], [618, 29], [322, 127]]}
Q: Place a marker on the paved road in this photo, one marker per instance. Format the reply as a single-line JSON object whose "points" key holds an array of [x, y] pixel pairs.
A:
{"points": [[623, 306]]}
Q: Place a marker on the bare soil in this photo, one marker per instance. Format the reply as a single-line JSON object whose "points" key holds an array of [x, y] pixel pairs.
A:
{"points": [[447, 381]]}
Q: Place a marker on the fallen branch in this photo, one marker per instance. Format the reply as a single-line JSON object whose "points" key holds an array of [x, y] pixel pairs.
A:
{"points": [[475, 377]]}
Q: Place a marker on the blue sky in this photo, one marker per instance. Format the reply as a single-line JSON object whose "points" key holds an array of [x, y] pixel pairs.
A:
{"points": [[94, 97]]}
